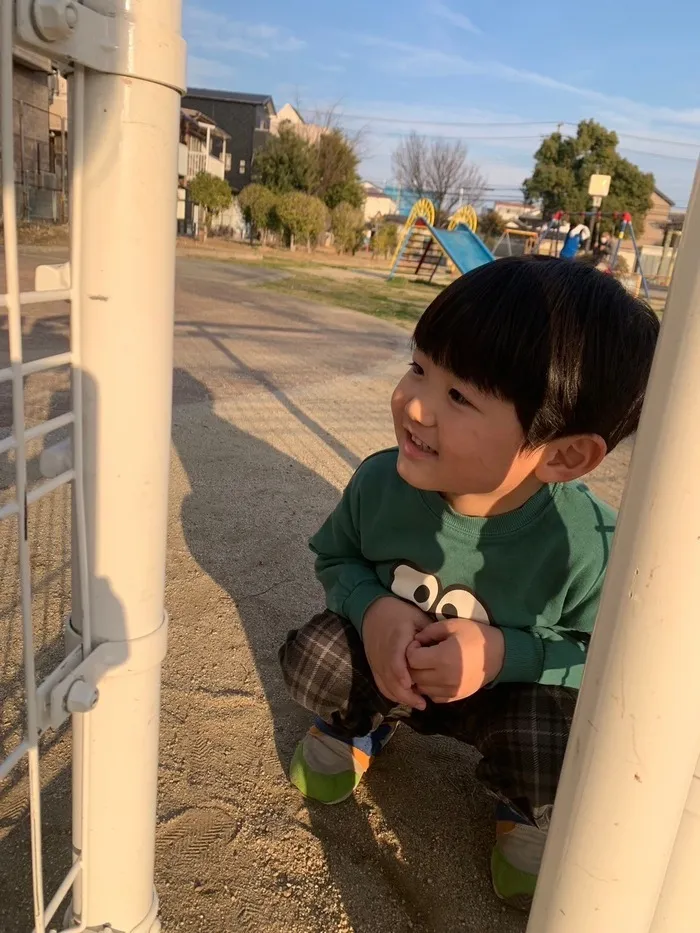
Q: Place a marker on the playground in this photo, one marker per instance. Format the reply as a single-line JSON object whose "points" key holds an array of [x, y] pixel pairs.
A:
{"points": [[265, 433]]}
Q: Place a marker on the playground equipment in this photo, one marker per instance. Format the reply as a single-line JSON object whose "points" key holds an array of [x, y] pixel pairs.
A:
{"points": [[624, 843], [127, 71], [623, 223], [423, 248], [466, 216], [424, 209], [514, 242]]}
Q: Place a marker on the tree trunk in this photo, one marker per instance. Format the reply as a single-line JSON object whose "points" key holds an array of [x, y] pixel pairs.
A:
{"points": [[291, 242]]}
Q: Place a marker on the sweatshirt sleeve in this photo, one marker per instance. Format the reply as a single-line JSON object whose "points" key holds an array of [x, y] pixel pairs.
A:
{"points": [[552, 655], [350, 581]]}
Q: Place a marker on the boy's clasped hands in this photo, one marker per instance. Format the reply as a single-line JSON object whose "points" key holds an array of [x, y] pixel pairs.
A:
{"points": [[414, 658]]}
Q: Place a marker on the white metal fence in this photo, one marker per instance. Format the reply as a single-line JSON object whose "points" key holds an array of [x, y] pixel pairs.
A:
{"points": [[123, 135]]}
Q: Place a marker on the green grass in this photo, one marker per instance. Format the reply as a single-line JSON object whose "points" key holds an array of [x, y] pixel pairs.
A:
{"points": [[397, 300]]}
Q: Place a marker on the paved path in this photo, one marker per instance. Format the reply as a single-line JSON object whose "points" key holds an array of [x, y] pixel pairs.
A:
{"points": [[275, 404]]}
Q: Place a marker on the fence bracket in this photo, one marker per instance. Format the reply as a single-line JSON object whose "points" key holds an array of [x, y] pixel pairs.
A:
{"points": [[72, 33], [74, 687]]}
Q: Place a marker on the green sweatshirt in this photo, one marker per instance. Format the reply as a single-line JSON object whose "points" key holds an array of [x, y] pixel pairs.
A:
{"points": [[536, 572]]}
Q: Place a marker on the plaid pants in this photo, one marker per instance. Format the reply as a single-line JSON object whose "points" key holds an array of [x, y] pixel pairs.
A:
{"points": [[521, 730]]}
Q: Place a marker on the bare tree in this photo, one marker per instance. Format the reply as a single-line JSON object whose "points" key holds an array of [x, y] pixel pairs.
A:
{"points": [[438, 169]]}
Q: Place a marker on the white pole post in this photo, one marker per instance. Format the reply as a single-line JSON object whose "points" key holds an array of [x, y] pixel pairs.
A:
{"points": [[677, 911], [635, 739], [123, 266]]}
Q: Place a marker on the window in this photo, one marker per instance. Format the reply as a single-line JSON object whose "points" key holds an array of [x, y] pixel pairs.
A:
{"points": [[241, 167]]}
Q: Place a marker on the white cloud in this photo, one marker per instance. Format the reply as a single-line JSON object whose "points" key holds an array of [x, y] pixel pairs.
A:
{"points": [[207, 31], [200, 70], [414, 59], [453, 17]]}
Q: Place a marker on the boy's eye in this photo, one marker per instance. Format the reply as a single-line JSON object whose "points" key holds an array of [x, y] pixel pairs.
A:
{"points": [[457, 396], [416, 368]]}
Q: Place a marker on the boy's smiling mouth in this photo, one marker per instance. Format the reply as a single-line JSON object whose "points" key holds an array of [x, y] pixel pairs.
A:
{"points": [[414, 447]]}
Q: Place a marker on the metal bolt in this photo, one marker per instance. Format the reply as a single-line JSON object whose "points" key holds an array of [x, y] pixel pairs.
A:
{"points": [[54, 19], [82, 697]]}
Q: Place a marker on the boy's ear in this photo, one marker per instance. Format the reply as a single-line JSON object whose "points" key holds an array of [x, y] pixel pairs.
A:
{"points": [[569, 458]]}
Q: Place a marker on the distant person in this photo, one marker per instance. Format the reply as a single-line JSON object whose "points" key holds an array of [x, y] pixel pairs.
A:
{"points": [[463, 568], [575, 240]]}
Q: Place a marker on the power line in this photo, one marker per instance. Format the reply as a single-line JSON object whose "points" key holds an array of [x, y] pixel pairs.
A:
{"points": [[469, 138], [381, 119], [659, 155], [661, 139], [378, 118]]}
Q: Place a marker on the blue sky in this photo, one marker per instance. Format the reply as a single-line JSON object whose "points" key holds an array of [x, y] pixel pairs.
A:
{"points": [[389, 66]]}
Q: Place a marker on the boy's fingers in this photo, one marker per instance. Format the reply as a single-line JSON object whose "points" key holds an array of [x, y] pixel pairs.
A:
{"points": [[399, 667], [434, 633], [423, 659], [433, 687], [393, 690]]}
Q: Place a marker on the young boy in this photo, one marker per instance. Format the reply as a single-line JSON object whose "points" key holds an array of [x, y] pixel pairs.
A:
{"points": [[463, 570]]}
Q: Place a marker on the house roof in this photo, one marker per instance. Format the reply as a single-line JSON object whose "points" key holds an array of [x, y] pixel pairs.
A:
{"points": [[236, 97], [372, 191], [196, 117], [664, 197], [286, 108], [32, 60]]}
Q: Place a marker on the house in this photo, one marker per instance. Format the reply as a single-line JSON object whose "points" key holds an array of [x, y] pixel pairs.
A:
{"points": [[37, 185], [206, 144], [377, 204], [244, 117], [514, 210], [656, 220], [311, 132], [203, 148]]}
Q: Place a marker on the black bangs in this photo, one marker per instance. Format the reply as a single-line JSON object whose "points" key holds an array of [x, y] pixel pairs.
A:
{"points": [[568, 346]]}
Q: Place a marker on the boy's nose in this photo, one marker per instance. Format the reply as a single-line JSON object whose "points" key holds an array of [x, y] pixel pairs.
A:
{"points": [[418, 411]]}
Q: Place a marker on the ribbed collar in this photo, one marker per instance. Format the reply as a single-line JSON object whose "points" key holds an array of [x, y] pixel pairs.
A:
{"points": [[496, 525]]}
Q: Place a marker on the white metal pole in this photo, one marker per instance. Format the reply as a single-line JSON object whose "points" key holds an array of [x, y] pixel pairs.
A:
{"points": [[635, 739], [677, 910], [124, 280]]}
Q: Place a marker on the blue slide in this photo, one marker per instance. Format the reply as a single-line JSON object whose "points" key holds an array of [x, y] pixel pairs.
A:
{"points": [[463, 247]]}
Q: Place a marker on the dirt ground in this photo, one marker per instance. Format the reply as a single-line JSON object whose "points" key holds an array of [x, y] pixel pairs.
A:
{"points": [[275, 403]]}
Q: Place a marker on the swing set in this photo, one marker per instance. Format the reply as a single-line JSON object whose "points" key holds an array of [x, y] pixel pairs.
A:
{"points": [[622, 227]]}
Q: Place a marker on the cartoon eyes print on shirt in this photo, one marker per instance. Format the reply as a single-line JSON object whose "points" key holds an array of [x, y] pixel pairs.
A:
{"points": [[417, 587], [426, 592], [457, 602]]}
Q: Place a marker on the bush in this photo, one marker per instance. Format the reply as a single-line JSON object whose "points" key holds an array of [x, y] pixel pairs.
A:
{"points": [[385, 240], [347, 224], [258, 206], [302, 216], [212, 194]]}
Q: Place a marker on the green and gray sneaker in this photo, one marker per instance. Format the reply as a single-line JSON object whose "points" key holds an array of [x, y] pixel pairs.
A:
{"points": [[516, 858]]}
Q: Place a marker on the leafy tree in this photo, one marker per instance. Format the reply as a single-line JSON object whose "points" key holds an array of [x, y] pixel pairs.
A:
{"points": [[337, 178], [491, 226], [210, 193], [438, 169], [258, 206], [385, 240], [286, 163], [564, 165], [302, 216], [347, 224]]}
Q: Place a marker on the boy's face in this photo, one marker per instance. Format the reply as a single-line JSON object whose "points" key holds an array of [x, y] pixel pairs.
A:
{"points": [[454, 439]]}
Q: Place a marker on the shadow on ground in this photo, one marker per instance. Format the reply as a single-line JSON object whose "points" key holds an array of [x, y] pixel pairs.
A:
{"points": [[246, 521]]}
